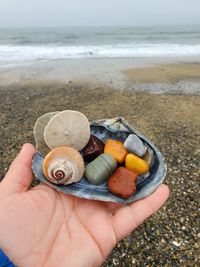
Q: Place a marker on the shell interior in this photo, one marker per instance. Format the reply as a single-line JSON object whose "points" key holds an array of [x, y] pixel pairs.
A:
{"points": [[118, 129]]}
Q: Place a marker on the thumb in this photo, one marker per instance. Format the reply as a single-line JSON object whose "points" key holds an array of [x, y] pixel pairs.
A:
{"points": [[19, 175]]}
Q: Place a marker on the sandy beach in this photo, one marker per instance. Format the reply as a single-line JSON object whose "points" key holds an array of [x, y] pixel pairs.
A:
{"points": [[151, 75], [169, 117]]}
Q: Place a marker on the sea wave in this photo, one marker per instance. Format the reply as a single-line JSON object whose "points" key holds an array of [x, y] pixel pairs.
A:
{"points": [[10, 52]]}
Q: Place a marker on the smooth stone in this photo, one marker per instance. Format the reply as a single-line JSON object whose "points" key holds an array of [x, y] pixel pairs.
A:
{"points": [[136, 164], [122, 182], [134, 144], [148, 157], [93, 149], [99, 170], [116, 149]]}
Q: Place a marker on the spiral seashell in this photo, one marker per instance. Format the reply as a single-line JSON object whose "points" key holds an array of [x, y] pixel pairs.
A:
{"points": [[63, 165]]}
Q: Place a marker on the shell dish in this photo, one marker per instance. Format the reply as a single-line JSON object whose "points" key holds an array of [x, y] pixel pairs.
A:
{"points": [[118, 129]]}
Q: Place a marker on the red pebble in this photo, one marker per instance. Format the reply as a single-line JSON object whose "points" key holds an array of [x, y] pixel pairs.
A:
{"points": [[122, 182], [93, 149]]}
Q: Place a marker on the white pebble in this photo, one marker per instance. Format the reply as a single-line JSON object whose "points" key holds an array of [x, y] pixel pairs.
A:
{"points": [[134, 144], [176, 243]]}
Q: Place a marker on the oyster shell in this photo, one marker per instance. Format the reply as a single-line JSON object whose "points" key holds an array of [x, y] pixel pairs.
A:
{"points": [[119, 129]]}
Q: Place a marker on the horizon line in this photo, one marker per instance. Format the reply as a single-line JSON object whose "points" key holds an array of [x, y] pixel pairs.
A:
{"points": [[96, 26]]}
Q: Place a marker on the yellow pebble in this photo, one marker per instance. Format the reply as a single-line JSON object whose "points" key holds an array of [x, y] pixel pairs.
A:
{"points": [[136, 164]]}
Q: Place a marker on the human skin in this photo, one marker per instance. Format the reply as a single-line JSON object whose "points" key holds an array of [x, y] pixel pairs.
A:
{"points": [[42, 227]]}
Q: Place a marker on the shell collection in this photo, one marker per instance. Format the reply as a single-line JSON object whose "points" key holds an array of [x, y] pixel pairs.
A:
{"points": [[104, 160]]}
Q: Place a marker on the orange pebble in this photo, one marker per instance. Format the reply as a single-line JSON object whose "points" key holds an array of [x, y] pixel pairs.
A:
{"points": [[116, 149]]}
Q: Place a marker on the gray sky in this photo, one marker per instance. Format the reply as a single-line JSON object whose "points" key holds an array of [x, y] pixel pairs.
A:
{"points": [[98, 12]]}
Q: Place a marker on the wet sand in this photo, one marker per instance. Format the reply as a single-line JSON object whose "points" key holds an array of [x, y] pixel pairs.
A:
{"points": [[164, 73], [165, 78], [170, 237], [155, 75]]}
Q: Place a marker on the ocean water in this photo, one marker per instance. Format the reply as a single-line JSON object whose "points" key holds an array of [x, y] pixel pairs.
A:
{"points": [[17, 44]]}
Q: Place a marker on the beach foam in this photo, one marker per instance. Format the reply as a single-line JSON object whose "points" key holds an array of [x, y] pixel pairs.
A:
{"points": [[134, 50]]}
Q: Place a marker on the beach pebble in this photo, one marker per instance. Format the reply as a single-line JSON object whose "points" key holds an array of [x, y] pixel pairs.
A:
{"points": [[148, 157], [122, 182], [136, 164], [99, 170], [116, 149], [134, 144], [93, 149]]}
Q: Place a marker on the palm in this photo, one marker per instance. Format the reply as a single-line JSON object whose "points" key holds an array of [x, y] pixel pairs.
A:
{"points": [[48, 223], [41, 227]]}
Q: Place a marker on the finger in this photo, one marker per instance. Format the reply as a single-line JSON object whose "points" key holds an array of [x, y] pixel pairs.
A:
{"points": [[129, 217], [19, 175]]}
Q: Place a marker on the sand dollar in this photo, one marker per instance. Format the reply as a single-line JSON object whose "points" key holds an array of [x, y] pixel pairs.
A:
{"points": [[38, 131], [68, 128]]}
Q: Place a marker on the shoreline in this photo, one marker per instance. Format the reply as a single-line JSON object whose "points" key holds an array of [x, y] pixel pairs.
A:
{"points": [[151, 75]]}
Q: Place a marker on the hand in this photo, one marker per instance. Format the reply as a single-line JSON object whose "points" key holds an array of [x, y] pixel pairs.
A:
{"points": [[41, 227]]}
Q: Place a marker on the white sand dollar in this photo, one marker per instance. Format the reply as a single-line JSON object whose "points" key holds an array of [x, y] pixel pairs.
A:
{"points": [[68, 128], [38, 131]]}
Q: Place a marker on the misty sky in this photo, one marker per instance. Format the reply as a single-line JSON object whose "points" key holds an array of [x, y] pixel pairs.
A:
{"points": [[98, 12]]}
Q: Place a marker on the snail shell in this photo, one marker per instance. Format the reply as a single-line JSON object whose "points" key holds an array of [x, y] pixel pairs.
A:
{"points": [[63, 165]]}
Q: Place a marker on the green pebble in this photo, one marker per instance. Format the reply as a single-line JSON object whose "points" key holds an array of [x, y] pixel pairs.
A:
{"points": [[99, 170]]}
